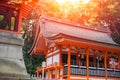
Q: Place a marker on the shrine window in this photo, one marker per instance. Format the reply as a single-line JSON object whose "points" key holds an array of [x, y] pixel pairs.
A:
{"points": [[99, 62], [91, 61], [9, 18], [73, 59], [82, 60], [96, 59], [64, 58]]}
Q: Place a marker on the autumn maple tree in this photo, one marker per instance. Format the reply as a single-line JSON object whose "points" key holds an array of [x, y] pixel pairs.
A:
{"points": [[97, 13]]}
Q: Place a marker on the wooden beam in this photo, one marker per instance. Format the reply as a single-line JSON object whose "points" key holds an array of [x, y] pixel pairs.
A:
{"points": [[91, 45], [10, 6]]}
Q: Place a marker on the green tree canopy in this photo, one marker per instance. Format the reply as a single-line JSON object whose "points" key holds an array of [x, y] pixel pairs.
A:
{"points": [[31, 61]]}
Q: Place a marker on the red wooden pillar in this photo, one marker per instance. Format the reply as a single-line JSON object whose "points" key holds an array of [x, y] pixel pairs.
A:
{"points": [[56, 73], [60, 63], [48, 73], [52, 55], [119, 60], [69, 56], [87, 63], [105, 64], [20, 21]]}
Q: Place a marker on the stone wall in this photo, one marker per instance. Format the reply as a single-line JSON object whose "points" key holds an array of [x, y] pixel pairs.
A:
{"points": [[11, 56]]}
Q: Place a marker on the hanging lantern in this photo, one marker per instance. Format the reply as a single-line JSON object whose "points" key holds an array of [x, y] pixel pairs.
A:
{"points": [[97, 58], [78, 55]]}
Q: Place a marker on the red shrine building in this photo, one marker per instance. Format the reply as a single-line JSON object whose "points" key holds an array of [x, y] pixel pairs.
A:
{"points": [[75, 52], [18, 10]]}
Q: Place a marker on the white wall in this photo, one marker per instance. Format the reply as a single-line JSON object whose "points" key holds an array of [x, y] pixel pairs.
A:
{"points": [[56, 58], [49, 61]]}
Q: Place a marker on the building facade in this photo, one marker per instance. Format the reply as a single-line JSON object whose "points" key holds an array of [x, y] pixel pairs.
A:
{"points": [[74, 51]]}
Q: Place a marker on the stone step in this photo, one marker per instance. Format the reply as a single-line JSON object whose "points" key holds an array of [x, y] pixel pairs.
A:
{"points": [[23, 79]]}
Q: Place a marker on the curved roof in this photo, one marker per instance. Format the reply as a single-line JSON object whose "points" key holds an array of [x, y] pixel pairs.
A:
{"points": [[53, 27], [55, 30], [27, 8]]}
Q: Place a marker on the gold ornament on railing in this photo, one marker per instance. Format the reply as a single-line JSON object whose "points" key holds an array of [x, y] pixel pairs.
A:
{"points": [[82, 56]]}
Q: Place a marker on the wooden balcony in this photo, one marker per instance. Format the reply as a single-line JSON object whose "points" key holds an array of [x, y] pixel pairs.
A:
{"points": [[93, 71]]}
